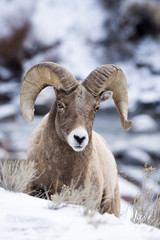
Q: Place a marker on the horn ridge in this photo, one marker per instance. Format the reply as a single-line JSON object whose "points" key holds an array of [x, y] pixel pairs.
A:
{"points": [[110, 77], [37, 78]]}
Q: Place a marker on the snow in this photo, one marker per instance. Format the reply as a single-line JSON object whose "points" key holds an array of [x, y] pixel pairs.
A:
{"points": [[60, 21], [127, 188], [13, 16], [144, 123], [143, 51], [27, 218], [143, 86], [136, 175], [46, 96], [4, 72], [3, 153], [69, 28], [149, 144], [72, 33], [138, 156], [8, 87], [8, 110], [146, 142], [73, 28]]}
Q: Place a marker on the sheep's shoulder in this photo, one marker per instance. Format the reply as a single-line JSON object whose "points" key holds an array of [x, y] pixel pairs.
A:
{"points": [[103, 161], [36, 137], [102, 150]]}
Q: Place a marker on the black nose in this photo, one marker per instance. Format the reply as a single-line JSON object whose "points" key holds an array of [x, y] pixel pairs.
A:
{"points": [[79, 139]]}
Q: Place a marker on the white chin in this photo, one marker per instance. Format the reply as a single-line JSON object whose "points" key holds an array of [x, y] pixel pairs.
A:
{"points": [[78, 149]]}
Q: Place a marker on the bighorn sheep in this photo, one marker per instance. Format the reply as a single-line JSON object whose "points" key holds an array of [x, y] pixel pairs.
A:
{"points": [[64, 145]]}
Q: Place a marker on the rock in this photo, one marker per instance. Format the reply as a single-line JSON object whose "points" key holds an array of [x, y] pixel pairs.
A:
{"points": [[3, 154], [7, 91], [8, 111], [143, 51], [144, 123], [4, 98], [2, 137], [5, 73], [134, 156], [150, 143]]}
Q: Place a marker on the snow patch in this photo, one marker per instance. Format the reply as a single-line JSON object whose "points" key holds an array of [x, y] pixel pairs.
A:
{"points": [[137, 156], [14, 15], [8, 110], [144, 123]]}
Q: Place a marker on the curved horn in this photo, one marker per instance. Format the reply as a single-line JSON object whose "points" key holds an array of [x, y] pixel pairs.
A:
{"points": [[40, 76], [111, 77]]}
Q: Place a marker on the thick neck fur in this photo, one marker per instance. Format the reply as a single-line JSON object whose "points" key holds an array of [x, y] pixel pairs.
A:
{"points": [[69, 164]]}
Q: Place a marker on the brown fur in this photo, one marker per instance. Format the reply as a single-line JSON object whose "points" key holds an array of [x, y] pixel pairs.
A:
{"points": [[58, 163]]}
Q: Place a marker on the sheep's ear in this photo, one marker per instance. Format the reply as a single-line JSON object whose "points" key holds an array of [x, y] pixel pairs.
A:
{"points": [[105, 95]]}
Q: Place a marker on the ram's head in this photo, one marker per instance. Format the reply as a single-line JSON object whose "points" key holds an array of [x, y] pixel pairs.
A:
{"points": [[76, 102]]}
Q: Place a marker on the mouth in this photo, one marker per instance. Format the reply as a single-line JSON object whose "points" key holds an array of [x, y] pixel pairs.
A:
{"points": [[78, 148]]}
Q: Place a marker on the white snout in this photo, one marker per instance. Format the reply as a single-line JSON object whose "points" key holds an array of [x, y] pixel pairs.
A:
{"points": [[78, 139]]}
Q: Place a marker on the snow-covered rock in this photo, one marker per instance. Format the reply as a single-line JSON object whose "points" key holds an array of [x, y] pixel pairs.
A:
{"points": [[8, 111], [13, 16], [147, 54], [135, 156], [3, 153], [144, 123], [5, 73]]}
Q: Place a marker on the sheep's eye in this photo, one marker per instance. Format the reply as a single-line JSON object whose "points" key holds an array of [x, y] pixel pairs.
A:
{"points": [[96, 109], [60, 105]]}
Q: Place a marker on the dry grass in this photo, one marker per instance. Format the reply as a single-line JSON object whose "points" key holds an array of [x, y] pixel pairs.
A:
{"points": [[81, 196], [146, 208], [85, 197], [15, 175]]}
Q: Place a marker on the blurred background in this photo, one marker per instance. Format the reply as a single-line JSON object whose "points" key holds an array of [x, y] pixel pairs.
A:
{"points": [[82, 35]]}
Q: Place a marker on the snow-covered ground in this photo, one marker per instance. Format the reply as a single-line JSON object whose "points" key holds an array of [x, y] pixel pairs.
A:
{"points": [[23, 217]]}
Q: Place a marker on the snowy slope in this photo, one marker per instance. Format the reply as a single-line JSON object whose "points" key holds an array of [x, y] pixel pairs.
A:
{"points": [[24, 217]]}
